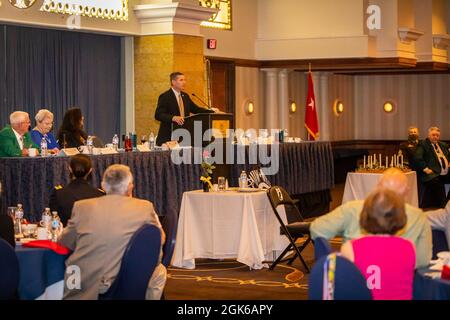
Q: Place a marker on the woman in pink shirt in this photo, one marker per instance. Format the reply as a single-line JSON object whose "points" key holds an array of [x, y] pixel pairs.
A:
{"points": [[386, 260]]}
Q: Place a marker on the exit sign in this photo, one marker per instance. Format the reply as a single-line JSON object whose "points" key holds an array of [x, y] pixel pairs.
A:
{"points": [[211, 43]]}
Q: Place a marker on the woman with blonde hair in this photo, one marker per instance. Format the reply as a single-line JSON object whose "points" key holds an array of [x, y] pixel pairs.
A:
{"points": [[44, 124]]}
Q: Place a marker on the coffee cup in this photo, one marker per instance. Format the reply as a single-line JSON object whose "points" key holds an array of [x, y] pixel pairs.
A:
{"points": [[32, 152], [42, 234]]}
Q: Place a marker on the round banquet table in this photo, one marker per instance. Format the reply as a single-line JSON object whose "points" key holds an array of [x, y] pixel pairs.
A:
{"points": [[427, 288], [41, 274]]}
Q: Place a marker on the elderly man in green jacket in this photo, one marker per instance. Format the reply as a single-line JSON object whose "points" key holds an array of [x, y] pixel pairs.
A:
{"points": [[15, 140], [344, 220]]}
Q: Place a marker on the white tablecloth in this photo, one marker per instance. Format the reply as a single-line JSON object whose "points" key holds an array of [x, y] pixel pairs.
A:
{"points": [[225, 225], [359, 185]]}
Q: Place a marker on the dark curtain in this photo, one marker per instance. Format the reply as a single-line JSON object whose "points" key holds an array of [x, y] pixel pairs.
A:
{"points": [[57, 70]]}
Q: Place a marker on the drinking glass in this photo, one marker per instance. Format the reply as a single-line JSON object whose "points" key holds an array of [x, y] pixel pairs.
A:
{"points": [[143, 139], [221, 183], [12, 212]]}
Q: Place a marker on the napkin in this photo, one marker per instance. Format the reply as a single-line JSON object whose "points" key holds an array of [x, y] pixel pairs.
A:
{"points": [[47, 244]]}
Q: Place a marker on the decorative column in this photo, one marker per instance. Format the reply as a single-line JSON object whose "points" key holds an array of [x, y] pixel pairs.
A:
{"points": [[283, 99], [323, 106], [271, 107], [170, 41]]}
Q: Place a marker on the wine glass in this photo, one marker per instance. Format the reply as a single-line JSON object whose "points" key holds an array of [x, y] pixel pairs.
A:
{"points": [[143, 139]]}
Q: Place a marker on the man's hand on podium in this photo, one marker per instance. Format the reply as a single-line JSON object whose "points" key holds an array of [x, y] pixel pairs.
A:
{"points": [[178, 120], [216, 110]]}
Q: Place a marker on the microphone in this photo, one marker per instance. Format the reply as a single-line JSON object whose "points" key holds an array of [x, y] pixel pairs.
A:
{"points": [[198, 98]]}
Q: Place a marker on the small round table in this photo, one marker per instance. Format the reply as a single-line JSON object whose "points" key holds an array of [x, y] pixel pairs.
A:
{"points": [[428, 288]]}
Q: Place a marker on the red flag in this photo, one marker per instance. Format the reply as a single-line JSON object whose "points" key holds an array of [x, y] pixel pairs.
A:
{"points": [[311, 123]]}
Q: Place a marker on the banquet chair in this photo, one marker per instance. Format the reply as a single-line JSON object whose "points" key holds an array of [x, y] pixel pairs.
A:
{"points": [[97, 142], [349, 283], [321, 248], [295, 228], [439, 242], [135, 271], [9, 275]]}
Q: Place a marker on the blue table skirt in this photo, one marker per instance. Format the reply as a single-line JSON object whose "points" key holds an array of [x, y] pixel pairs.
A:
{"points": [[426, 288], [39, 269]]}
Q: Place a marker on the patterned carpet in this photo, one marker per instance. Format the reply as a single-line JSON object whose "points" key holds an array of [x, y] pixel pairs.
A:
{"points": [[231, 280]]}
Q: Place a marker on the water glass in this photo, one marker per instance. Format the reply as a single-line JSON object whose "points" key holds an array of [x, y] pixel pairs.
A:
{"points": [[221, 183], [12, 212]]}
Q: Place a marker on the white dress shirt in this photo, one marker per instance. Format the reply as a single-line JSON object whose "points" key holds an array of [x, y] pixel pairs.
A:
{"points": [[19, 139]]}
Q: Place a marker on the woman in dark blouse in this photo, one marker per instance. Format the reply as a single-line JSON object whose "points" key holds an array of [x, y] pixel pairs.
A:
{"points": [[71, 133]]}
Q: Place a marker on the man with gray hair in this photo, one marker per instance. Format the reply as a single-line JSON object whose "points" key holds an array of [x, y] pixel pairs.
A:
{"points": [[99, 231], [15, 140], [432, 159], [344, 220]]}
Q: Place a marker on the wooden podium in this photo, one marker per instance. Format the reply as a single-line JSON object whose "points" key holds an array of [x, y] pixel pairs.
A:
{"points": [[197, 125]]}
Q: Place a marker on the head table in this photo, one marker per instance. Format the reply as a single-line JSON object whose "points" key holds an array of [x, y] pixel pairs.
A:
{"points": [[303, 168]]}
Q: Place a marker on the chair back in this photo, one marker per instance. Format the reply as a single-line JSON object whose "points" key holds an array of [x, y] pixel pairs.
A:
{"points": [[322, 248], [97, 142], [349, 283], [9, 275], [278, 196], [439, 242], [138, 263]]}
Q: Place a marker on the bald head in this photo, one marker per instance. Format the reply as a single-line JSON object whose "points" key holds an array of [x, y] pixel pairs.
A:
{"points": [[395, 180]]}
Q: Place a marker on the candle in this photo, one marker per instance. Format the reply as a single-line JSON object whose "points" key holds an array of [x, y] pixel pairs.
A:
{"points": [[364, 162], [387, 162], [380, 159], [370, 162]]}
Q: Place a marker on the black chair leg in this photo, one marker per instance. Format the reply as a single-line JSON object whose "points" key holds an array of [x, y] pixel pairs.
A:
{"points": [[280, 257]]}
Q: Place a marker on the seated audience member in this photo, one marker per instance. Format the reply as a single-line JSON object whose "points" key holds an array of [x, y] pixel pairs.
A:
{"points": [[432, 159], [100, 230], [71, 133], [409, 147], [6, 226], [440, 220], [344, 220], [385, 260], [15, 139], [63, 198], [44, 123]]}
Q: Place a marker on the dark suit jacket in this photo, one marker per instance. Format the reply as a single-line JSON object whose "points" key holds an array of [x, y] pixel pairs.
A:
{"points": [[7, 229], [62, 199], [168, 108], [425, 157]]}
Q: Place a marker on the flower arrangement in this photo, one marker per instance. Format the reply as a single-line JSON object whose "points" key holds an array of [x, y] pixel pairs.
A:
{"points": [[207, 169]]}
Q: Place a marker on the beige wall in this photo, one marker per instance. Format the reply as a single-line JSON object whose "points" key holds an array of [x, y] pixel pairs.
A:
{"points": [[248, 87], [422, 100], [239, 42]]}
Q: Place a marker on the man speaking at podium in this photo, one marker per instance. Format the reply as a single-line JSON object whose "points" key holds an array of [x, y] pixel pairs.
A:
{"points": [[173, 106]]}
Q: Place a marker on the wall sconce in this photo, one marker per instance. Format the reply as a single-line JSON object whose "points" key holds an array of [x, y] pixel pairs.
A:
{"points": [[249, 107], [338, 107], [389, 107], [293, 107]]}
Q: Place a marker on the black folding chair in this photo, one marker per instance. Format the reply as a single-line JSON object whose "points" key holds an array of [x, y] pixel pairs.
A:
{"points": [[295, 228]]}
